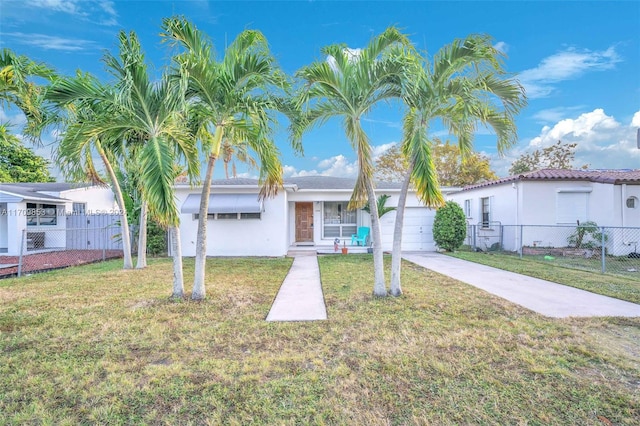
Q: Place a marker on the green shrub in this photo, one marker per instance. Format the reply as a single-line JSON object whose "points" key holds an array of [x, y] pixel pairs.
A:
{"points": [[449, 226], [587, 235]]}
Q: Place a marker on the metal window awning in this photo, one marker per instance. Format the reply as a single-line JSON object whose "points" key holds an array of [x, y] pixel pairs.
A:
{"points": [[224, 203]]}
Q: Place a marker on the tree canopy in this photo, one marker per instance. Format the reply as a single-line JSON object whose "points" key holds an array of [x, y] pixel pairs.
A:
{"points": [[19, 163], [556, 156], [451, 168]]}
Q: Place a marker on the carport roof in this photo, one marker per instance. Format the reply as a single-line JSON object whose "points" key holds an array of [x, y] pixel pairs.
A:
{"points": [[25, 192]]}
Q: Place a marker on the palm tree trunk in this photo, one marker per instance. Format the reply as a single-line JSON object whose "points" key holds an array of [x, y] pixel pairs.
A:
{"points": [[126, 236], [396, 253], [176, 252], [199, 291], [142, 237], [379, 285]]}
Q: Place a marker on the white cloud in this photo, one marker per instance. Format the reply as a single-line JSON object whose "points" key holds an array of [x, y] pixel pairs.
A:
{"points": [[566, 65], [338, 165], [381, 149], [102, 12], [602, 142], [44, 41], [15, 120], [501, 46], [66, 6]]}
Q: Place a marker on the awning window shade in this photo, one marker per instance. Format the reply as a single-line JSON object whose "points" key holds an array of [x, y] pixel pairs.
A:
{"points": [[224, 203]]}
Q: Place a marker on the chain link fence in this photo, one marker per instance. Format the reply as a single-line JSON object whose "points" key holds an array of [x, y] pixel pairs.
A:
{"points": [[77, 240], [585, 246]]}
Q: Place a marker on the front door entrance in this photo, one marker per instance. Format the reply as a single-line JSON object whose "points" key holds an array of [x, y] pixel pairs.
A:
{"points": [[304, 222]]}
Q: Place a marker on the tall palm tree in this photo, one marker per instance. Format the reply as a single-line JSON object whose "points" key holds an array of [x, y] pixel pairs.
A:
{"points": [[348, 85], [79, 142], [235, 103], [464, 85], [151, 114], [18, 88]]}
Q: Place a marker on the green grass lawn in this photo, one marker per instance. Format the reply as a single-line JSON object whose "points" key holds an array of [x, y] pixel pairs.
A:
{"points": [[618, 286], [96, 344]]}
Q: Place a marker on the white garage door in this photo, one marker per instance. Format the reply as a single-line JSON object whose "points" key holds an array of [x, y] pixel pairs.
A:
{"points": [[418, 229]]}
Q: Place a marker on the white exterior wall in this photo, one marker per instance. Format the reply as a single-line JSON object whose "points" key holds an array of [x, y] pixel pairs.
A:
{"points": [[535, 203], [4, 240], [504, 200], [318, 197], [266, 236], [387, 222], [98, 200]]}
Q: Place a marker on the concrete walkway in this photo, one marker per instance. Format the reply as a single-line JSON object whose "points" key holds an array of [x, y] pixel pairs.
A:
{"points": [[544, 297], [300, 297]]}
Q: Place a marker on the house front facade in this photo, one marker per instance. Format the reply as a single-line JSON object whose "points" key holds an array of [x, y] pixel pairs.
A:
{"points": [[559, 198], [308, 211], [43, 211]]}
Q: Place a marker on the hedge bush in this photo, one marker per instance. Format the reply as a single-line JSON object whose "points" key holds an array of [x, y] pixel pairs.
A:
{"points": [[449, 226]]}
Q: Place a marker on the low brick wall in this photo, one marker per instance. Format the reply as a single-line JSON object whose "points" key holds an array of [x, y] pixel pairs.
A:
{"points": [[560, 251]]}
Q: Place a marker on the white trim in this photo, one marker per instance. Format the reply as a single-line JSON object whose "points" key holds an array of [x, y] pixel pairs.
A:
{"points": [[575, 189]]}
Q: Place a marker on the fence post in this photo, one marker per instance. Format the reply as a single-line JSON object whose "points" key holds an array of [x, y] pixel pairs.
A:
{"points": [[473, 229], [24, 237], [604, 261], [520, 241]]}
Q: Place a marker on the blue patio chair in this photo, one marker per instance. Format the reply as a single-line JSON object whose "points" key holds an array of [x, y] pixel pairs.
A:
{"points": [[361, 237]]}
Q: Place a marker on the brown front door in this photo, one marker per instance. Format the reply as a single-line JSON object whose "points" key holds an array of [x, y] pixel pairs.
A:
{"points": [[304, 222]]}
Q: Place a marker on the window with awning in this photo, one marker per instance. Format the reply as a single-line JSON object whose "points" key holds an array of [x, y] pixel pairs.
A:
{"points": [[226, 206]]}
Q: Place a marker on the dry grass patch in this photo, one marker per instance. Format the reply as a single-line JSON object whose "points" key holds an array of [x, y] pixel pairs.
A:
{"points": [[99, 345]]}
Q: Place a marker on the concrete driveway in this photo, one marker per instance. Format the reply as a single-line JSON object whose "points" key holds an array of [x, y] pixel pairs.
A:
{"points": [[547, 298]]}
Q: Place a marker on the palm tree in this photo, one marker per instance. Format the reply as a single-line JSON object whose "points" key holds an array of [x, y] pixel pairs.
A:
{"points": [[80, 140], [234, 104], [348, 85], [464, 84], [16, 87], [382, 205], [152, 115]]}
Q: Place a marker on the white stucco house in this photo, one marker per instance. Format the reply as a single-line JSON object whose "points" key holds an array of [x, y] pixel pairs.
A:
{"points": [[308, 212], [43, 210], [559, 198]]}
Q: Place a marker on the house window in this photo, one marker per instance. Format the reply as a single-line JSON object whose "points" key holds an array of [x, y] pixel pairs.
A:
{"points": [[632, 202], [79, 208], [467, 208], [338, 221], [227, 216], [486, 211], [572, 207], [41, 214]]}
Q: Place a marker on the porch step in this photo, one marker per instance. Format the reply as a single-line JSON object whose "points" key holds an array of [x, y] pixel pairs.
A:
{"points": [[315, 250]]}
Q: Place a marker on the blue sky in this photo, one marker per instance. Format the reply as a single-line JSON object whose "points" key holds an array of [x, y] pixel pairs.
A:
{"points": [[578, 60]]}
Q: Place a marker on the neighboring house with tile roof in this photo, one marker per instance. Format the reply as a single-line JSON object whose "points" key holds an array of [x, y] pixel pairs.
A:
{"points": [[308, 211], [554, 197], [44, 209]]}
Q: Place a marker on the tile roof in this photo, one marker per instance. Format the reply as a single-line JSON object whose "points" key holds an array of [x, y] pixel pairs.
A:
{"points": [[615, 177]]}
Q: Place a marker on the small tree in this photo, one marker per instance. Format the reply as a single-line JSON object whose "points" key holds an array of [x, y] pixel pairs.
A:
{"points": [[587, 235], [449, 226], [557, 156], [382, 206]]}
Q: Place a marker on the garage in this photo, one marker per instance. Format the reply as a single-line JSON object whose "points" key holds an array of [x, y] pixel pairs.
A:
{"points": [[417, 229]]}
